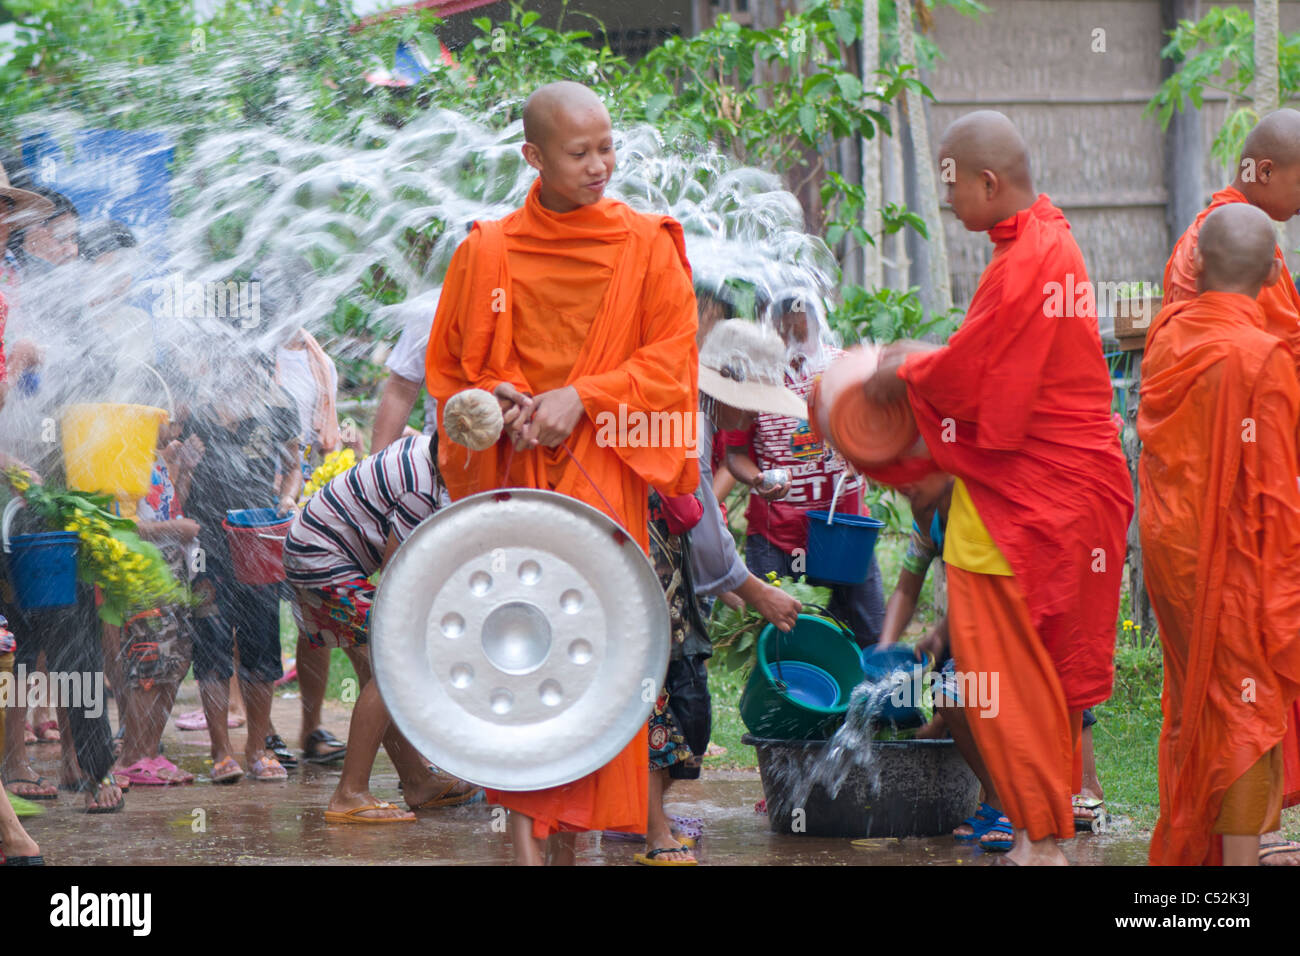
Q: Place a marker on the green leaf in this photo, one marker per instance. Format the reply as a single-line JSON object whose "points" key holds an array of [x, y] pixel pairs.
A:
{"points": [[834, 234], [656, 105], [845, 27], [808, 120], [850, 86]]}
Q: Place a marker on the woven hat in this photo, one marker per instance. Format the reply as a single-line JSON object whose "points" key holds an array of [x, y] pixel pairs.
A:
{"points": [[27, 207], [742, 364]]}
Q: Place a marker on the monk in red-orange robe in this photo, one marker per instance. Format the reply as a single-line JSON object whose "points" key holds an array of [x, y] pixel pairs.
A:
{"points": [[571, 307], [1220, 526], [1017, 407], [1268, 177]]}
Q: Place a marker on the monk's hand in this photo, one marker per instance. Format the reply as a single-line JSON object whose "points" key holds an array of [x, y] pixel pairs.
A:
{"points": [[555, 415], [516, 407]]}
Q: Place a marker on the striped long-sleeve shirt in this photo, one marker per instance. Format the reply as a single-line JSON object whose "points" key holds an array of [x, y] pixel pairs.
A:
{"points": [[340, 533]]}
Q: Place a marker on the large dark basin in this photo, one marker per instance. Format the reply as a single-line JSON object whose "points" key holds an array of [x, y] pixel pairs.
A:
{"points": [[925, 789]]}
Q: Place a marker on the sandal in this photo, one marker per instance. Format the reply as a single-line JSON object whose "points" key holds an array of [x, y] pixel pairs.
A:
{"points": [[228, 771], [1089, 813], [193, 720], [37, 860], [268, 770], [354, 815], [651, 857], [171, 773], [980, 823], [1004, 836], [106, 782], [47, 732], [275, 743], [39, 781], [321, 738], [457, 792], [1267, 851]]}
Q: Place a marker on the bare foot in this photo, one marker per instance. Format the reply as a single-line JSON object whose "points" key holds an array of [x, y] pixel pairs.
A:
{"points": [[1043, 852], [26, 782], [666, 839], [104, 798], [20, 844]]}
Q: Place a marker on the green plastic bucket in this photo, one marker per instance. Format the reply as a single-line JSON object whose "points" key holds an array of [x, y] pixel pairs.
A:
{"points": [[767, 706]]}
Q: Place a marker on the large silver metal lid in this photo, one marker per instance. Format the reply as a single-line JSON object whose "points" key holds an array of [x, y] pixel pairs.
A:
{"points": [[519, 639]]}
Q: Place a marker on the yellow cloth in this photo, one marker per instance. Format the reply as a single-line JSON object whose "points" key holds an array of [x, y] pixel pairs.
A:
{"points": [[967, 543]]}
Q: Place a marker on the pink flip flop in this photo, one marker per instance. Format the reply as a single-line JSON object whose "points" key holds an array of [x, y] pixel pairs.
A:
{"points": [[169, 772], [142, 773], [196, 720]]}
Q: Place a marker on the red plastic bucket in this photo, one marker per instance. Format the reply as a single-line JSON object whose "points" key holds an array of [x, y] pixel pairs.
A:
{"points": [[257, 548]]}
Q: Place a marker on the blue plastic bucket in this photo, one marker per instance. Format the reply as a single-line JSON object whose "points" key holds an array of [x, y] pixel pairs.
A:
{"points": [[254, 518], [878, 663], [43, 568], [807, 683], [840, 553]]}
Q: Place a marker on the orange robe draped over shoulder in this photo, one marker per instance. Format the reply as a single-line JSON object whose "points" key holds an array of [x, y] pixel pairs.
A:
{"points": [[1281, 305], [1220, 525], [599, 298], [1017, 405]]}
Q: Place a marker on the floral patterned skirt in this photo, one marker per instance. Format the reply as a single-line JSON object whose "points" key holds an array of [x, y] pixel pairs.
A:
{"points": [[337, 615]]}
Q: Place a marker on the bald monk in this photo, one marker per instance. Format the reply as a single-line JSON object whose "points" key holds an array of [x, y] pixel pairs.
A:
{"points": [[1220, 526], [568, 308], [1017, 408], [1268, 176]]}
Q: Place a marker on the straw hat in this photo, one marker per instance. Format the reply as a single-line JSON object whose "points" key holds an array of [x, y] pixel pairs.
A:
{"points": [[27, 208], [742, 364]]}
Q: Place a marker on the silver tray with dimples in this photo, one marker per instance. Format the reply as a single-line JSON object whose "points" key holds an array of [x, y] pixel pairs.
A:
{"points": [[519, 638]]}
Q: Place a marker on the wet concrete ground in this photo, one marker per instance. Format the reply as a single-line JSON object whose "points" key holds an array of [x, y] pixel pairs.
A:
{"points": [[273, 823]]}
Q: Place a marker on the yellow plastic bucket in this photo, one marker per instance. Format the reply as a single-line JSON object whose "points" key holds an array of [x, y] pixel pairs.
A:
{"points": [[109, 448]]}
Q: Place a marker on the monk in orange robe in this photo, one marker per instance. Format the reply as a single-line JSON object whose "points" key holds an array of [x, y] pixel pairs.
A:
{"points": [[1220, 526], [571, 309], [1268, 176], [1017, 408]]}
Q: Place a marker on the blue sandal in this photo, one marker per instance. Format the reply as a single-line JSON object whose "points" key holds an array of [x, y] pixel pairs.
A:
{"points": [[985, 817], [1002, 827]]}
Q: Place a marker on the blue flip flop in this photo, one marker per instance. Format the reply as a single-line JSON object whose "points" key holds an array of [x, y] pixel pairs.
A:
{"points": [[985, 817]]}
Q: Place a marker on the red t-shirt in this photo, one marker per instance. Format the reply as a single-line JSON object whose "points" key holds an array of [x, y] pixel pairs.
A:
{"points": [[778, 442]]}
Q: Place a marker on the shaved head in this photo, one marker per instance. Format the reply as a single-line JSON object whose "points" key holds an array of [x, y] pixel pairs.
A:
{"points": [[550, 105], [1268, 174], [984, 163], [1236, 248], [1275, 137], [568, 139], [986, 139]]}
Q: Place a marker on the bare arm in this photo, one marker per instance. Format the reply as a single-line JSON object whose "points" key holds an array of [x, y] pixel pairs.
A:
{"points": [[770, 601], [394, 410], [901, 606], [291, 477]]}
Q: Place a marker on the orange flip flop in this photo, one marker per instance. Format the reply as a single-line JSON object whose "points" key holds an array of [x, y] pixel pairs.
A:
{"points": [[353, 815]]}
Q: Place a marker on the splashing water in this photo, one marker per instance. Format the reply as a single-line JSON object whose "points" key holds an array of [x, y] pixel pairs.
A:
{"points": [[850, 747]]}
